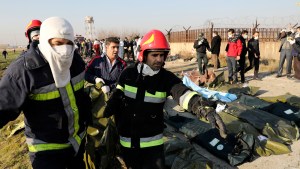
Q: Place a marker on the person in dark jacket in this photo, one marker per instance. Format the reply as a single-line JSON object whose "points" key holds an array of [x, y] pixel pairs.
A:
{"points": [[234, 49], [254, 54], [126, 48], [107, 67], [242, 60], [215, 49], [201, 45], [285, 54], [296, 46], [142, 90], [4, 53], [46, 83]]}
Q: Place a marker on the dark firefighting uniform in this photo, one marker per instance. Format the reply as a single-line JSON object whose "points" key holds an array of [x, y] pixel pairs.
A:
{"points": [[55, 118], [140, 119]]}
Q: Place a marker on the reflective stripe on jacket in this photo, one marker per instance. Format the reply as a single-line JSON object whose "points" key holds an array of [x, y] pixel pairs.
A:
{"points": [[139, 118], [55, 118]]}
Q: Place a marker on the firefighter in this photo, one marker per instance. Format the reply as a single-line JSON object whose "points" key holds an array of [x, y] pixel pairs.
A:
{"points": [[138, 102], [32, 32], [46, 83]]}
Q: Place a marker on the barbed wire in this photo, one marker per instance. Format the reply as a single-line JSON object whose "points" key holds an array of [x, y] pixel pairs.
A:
{"points": [[246, 22]]}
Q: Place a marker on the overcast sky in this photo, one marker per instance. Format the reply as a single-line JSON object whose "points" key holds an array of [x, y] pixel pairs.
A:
{"points": [[136, 15]]}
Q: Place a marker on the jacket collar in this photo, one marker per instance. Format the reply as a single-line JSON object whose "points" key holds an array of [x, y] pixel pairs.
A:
{"points": [[33, 58]]}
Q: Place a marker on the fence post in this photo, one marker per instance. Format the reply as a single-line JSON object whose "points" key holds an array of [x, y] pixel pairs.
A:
{"points": [[169, 35], [210, 32], [186, 33]]}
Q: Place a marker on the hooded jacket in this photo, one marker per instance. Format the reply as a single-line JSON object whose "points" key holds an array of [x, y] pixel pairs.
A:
{"points": [[55, 118], [234, 47]]}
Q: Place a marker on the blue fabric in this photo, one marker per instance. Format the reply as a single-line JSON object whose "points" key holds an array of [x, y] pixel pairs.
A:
{"points": [[209, 94]]}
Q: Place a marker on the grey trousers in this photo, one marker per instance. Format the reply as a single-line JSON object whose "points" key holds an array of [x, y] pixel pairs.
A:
{"points": [[200, 57], [285, 54], [231, 64]]}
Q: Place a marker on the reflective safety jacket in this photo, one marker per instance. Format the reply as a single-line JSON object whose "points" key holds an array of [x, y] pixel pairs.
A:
{"points": [[139, 117], [55, 118]]}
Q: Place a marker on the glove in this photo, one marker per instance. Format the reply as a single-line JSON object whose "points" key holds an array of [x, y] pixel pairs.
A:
{"points": [[206, 108], [114, 104], [292, 41], [105, 89], [98, 80]]}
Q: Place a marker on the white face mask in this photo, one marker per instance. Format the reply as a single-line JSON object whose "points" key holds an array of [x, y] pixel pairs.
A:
{"points": [[229, 36], [147, 71], [60, 59], [245, 36], [64, 51], [255, 37]]}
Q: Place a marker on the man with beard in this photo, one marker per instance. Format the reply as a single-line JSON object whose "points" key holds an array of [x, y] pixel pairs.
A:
{"points": [[46, 83], [138, 102]]}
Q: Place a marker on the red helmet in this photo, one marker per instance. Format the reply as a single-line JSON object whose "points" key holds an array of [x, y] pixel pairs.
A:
{"points": [[33, 25], [153, 41]]}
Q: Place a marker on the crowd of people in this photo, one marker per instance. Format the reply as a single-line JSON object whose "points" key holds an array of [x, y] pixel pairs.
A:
{"points": [[128, 49], [46, 83], [240, 46]]}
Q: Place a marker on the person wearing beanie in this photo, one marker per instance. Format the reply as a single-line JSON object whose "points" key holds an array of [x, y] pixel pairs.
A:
{"points": [[46, 83]]}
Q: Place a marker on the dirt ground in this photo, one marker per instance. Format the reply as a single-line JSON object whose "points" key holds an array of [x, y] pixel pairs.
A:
{"points": [[269, 86]]}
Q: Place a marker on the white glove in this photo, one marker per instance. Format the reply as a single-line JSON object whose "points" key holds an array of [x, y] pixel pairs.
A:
{"points": [[98, 80], [105, 89], [292, 41], [220, 107]]}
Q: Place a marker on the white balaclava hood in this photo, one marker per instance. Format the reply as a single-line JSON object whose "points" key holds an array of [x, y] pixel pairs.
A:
{"points": [[56, 27]]}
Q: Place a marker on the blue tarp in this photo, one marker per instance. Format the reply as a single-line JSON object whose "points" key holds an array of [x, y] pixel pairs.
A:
{"points": [[209, 94]]}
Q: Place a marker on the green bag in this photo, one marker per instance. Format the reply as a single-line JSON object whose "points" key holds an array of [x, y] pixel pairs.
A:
{"points": [[274, 99], [103, 149], [263, 147], [102, 138], [275, 128]]}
